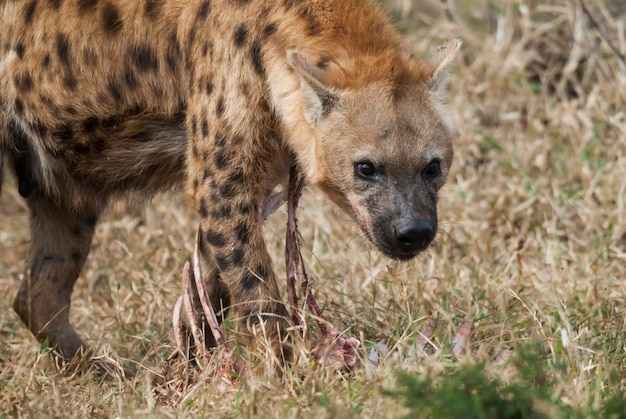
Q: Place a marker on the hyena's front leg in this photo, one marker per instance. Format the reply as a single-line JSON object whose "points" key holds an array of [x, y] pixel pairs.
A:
{"points": [[60, 241], [230, 189], [238, 249]]}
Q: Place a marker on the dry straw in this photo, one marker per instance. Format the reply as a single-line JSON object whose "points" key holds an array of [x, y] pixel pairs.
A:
{"points": [[532, 247]]}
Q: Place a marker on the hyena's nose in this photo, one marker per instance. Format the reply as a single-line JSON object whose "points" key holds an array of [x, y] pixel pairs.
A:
{"points": [[414, 233]]}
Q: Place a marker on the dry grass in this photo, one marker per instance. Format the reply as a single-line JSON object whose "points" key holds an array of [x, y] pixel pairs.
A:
{"points": [[533, 247]]}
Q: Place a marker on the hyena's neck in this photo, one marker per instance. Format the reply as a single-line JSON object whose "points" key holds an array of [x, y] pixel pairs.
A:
{"points": [[352, 42]]}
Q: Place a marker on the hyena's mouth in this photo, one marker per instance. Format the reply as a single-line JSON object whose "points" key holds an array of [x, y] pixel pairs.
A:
{"points": [[401, 239]]}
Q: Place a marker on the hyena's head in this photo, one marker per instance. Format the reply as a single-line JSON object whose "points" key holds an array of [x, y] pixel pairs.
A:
{"points": [[384, 148]]}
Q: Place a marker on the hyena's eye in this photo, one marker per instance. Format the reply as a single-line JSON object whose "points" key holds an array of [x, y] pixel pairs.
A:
{"points": [[366, 170], [432, 170]]}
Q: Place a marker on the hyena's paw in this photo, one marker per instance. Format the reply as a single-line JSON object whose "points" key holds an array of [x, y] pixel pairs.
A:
{"points": [[103, 367]]}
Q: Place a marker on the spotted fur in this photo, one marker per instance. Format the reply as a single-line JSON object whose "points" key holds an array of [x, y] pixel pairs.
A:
{"points": [[100, 98]]}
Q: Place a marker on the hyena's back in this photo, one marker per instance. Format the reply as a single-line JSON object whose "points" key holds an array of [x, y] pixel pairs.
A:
{"points": [[91, 96]]}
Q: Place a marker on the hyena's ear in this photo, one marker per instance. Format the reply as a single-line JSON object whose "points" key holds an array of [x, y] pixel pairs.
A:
{"points": [[441, 62], [317, 99]]}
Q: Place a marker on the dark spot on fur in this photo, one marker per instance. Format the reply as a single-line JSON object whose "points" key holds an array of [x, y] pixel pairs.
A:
{"points": [[238, 257], [203, 12], [29, 12], [90, 124], [220, 140], [63, 49], [269, 30], [71, 110], [245, 208], [45, 63], [312, 23], [236, 176], [19, 50], [206, 173], [115, 92], [222, 261], [194, 125], [219, 108], [110, 123], [145, 58], [221, 213], [87, 5], [111, 19], [98, 144], [205, 49], [130, 80], [215, 238], [242, 232], [79, 148], [241, 33], [205, 128], [135, 110], [209, 88], [64, 133], [19, 106], [55, 4], [228, 190], [69, 81], [291, 3], [221, 159], [257, 60], [152, 8], [46, 99], [191, 36], [262, 272], [23, 83], [249, 281], [322, 63], [203, 209], [76, 256]]}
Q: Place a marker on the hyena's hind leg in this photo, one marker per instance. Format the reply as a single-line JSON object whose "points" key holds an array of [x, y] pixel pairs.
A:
{"points": [[60, 242]]}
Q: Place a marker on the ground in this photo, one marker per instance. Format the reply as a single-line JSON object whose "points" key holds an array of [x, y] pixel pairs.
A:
{"points": [[532, 251]]}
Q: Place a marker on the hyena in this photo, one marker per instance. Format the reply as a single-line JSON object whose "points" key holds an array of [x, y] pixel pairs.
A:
{"points": [[103, 98]]}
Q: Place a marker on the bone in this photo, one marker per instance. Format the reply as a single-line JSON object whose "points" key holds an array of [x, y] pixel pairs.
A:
{"points": [[503, 357], [462, 338], [334, 349], [424, 337], [192, 315], [207, 307]]}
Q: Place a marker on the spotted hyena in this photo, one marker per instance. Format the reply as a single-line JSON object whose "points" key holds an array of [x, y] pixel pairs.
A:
{"points": [[102, 98]]}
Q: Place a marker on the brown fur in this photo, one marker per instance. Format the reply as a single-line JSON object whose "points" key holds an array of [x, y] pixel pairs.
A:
{"points": [[102, 97]]}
